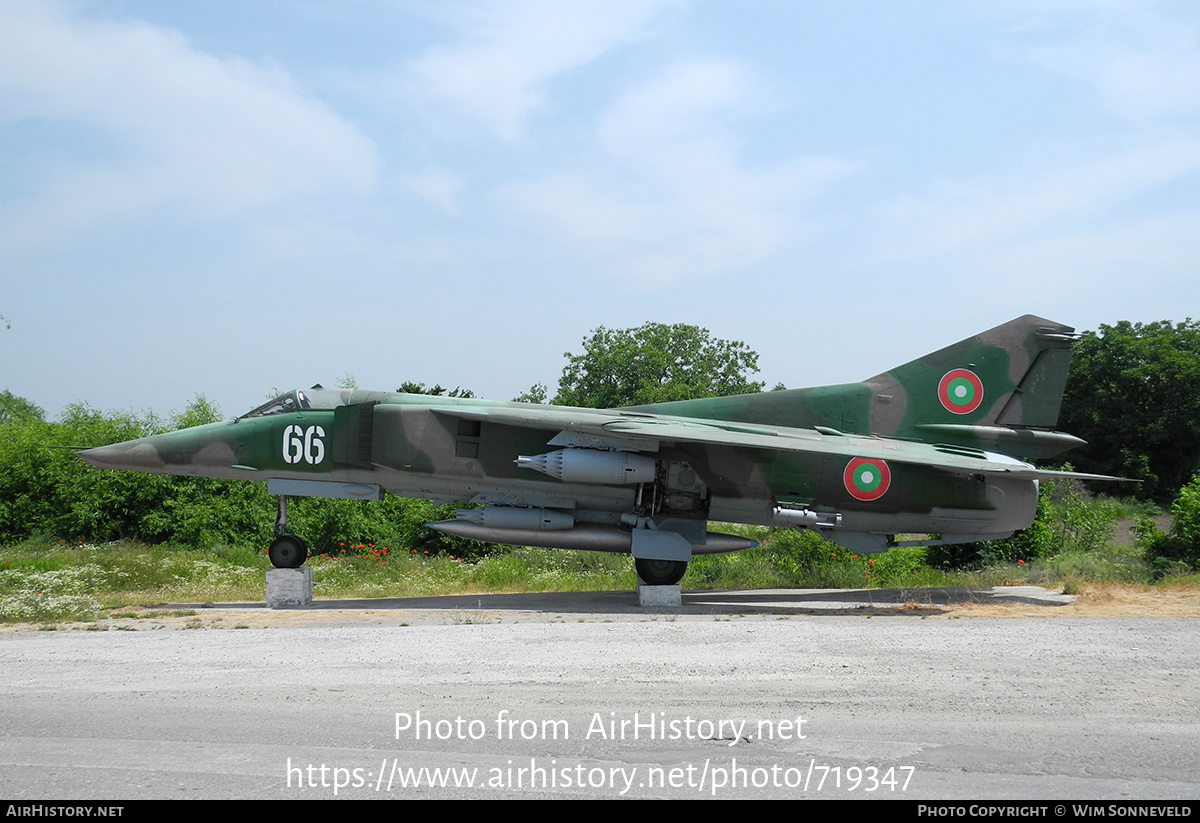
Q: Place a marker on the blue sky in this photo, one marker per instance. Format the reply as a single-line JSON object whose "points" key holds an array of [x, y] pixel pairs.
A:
{"points": [[225, 198]]}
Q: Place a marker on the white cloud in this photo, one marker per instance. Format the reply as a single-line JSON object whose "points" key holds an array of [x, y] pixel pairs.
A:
{"points": [[966, 217], [688, 101], [1117, 257], [439, 186], [669, 195], [154, 120], [1141, 61], [510, 50]]}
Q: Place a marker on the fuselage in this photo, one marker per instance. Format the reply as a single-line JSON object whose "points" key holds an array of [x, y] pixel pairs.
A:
{"points": [[451, 449]]}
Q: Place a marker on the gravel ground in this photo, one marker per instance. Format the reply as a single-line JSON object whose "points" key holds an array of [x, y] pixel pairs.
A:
{"points": [[850, 703]]}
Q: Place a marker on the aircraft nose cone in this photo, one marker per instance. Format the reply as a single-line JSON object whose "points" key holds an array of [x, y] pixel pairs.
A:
{"points": [[123, 456]]}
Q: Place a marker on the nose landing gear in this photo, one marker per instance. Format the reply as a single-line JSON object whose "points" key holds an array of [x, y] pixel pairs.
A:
{"points": [[287, 551]]}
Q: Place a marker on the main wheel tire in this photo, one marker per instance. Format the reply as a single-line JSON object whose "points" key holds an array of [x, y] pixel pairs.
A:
{"points": [[288, 552], [660, 572]]}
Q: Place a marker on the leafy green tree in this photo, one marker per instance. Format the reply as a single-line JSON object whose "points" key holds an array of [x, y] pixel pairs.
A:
{"points": [[1132, 395], [437, 390], [655, 363], [13, 408], [537, 393], [200, 411], [46, 491]]}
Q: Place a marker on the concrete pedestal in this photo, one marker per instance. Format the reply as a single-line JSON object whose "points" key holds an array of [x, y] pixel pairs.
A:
{"points": [[287, 588], [659, 597]]}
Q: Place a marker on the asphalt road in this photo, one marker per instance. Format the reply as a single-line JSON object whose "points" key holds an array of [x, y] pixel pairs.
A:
{"points": [[722, 704]]}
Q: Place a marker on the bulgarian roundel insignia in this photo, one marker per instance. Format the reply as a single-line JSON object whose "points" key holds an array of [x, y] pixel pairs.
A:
{"points": [[866, 479], [961, 391]]}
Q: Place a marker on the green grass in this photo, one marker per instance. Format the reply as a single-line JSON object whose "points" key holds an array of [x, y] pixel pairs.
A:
{"points": [[44, 582], [58, 581], [522, 569]]}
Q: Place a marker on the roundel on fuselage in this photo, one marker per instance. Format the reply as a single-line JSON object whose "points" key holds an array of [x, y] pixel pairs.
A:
{"points": [[866, 478]]}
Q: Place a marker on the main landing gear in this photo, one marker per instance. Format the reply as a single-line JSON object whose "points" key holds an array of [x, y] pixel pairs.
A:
{"points": [[287, 551], [660, 572]]}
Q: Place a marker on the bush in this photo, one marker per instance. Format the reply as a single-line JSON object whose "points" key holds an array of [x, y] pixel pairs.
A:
{"points": [[1035, 541], [1181, 545], [1065, 522]]}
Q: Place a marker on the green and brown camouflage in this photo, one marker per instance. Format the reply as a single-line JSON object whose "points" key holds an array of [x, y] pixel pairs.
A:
{"points": [[1002, 390], [929, 447]]}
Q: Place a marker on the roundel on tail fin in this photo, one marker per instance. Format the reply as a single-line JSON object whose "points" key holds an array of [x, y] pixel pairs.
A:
{"points": [[960, 391]]}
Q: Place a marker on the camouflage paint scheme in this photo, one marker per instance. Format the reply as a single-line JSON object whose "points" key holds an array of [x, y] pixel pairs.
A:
{"points": [[930, 447]]}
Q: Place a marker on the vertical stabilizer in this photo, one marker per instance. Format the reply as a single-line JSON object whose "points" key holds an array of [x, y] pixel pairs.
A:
{"points": [[1012, 375], [1001, 389]]}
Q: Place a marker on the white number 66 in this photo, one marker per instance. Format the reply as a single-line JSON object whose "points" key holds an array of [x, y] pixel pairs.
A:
{"points": [[303, 444]]}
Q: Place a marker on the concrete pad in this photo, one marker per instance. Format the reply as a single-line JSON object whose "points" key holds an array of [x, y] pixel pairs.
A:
{"points": [[288, 588], [660, 597], [695, 603]]}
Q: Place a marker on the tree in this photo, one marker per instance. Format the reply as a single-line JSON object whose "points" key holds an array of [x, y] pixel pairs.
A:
{"points": [[13, 408], [409, 387], [200, 411], [1132, 395], [537, 393], [655, 363]]}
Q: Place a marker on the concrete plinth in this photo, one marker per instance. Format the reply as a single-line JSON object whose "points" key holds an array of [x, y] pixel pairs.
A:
{"points": [[659, 597], [287, 588]]}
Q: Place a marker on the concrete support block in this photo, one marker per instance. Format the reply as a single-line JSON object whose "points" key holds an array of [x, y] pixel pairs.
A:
{"points": [[659, 597], [287, 588]]}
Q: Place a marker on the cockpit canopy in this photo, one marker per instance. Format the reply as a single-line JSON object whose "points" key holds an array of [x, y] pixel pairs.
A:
{"points": [[302, 400]]}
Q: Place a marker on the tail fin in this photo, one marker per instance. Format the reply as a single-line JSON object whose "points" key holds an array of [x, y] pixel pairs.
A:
{"points": [[1001, 389]]}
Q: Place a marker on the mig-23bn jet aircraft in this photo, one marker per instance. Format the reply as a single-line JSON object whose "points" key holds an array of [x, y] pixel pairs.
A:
{"points": [[936, 446]]}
